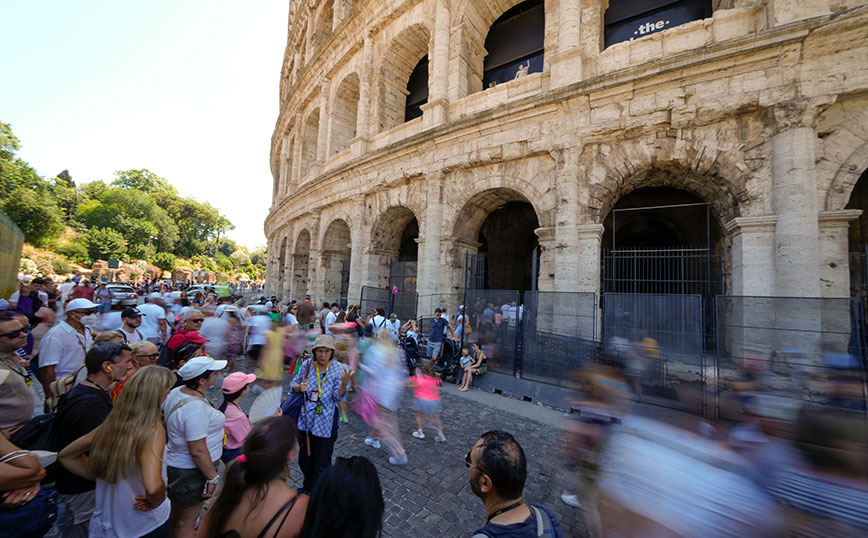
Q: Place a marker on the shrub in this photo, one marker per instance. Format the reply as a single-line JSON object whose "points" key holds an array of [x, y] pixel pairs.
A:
{"points": [[75, 252], [104, 243], [164, 260], [61, 267]]}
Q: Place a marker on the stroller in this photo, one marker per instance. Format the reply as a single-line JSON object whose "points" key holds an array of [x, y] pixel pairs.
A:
{"points": [[411, 353], [448, 362]]}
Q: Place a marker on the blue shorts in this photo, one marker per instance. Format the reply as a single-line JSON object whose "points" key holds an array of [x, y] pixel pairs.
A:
{"points": [[429, 407]]}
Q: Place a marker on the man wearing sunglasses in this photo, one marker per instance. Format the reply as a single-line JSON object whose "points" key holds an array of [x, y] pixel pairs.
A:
{"points": [[16, 392], [191, 321], [498, 470]]}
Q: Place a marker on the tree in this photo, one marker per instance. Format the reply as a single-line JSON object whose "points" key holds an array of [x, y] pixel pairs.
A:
{"points": [[164, 260], [240, 256], [76, 252], [35, 213], [93, 190], [104, 243], [66, 178], [259, 256], [132, 213], [143, 180]]}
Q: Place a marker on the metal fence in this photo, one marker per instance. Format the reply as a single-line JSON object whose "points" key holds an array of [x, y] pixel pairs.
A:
{"points": [[497, 335], [558, 334], [402, 303]]}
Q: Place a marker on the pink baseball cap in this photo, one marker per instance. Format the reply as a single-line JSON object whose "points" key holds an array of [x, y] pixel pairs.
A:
{"points": [[237, 381]]}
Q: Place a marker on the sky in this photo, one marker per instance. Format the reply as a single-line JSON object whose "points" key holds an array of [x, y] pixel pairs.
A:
{"points": [[185, 88]]}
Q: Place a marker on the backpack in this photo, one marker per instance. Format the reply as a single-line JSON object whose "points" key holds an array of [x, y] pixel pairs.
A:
{"points": [[544, 525], [41, 432]]}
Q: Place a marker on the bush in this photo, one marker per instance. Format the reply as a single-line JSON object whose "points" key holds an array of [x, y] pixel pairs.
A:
{"points": [[164, 260], [75, 252], [28, 266], [104, 243], [61, 267], [36, 214]]}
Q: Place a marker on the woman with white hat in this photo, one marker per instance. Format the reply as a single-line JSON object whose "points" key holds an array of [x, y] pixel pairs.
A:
{"points": [[194, 442], [324, 383]]}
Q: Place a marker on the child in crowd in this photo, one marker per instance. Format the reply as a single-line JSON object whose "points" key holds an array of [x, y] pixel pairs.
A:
{"points": [[426, 402], [237, 425]]}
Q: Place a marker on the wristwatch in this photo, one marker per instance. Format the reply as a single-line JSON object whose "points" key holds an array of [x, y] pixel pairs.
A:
{"points": [[214, 480]]}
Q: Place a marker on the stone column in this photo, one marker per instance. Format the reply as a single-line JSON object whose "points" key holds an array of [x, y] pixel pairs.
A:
{"points": [[546, 240], [591, 34], [587, 278], [337, 13], [308, 37], [296, 68], [295, 175], [357, 238], [314, 277], [835, 252], [322, 140], [797, 273], [434, 111], [753, 255], [429, 265], [285, 284], [359, 144], [567, 62]]}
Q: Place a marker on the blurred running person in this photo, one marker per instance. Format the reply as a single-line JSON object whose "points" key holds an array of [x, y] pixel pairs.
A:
{"points": [[426, 402]]}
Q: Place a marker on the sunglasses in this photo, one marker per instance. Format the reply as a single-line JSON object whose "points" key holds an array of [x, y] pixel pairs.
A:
{"points": [[16, 334], [200, 320], [469, 464], [151, 356]]}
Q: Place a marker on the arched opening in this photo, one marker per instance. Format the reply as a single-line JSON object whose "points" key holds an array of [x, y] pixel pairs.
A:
{"points": [[515, 44], [344, 113], [403, 85], [498, 228], [858, 234], [336, 254], [323, 26], [626, 20], [309, 136], [394, 243], [417, 90], [300, 265], [662, 240], [281, 264]]}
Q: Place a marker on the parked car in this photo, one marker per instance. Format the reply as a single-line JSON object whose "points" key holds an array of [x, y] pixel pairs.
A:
{"points": [[192, 290], [124, 295]]}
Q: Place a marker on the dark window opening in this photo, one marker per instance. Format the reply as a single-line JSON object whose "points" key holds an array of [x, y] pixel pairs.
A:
{"points": [[417, 90], [627, 20], [409, 249], [516, 41], [509, 242]]}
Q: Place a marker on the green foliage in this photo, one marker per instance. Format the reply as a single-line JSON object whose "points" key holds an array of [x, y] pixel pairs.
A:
{"points": [[259, 256], [143, 180], [224, 263], [66, 179], [65, 196], [240, 257], [93, 190], [104, 243], [204, 262], [164, 260], [75, 252], [61, 267], [36, 214]]}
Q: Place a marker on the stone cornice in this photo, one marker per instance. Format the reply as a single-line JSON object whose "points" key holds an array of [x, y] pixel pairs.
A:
{"points": [[760, 224]]}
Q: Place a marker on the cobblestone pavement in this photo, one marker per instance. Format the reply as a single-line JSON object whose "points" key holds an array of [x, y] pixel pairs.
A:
{"points": [[431, 496]]}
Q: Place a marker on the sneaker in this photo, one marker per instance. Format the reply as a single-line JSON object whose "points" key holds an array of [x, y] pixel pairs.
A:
{"points": [[418, 434], [440, 438], [398, 461], [372, 442], [344, 418], [571, 500]]}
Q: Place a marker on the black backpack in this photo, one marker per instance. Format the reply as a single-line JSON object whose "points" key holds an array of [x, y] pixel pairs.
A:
{"points": [[41, 432]]}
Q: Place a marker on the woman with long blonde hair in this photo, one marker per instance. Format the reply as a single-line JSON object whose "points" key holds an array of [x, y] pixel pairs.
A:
{"points": [[126, 460]]}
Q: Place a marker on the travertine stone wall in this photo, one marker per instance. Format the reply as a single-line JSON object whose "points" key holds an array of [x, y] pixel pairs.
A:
{"points": [[759, 110]]}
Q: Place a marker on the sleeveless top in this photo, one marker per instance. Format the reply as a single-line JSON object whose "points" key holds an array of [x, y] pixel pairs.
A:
{"points": [[114, 514], [285, 510]]}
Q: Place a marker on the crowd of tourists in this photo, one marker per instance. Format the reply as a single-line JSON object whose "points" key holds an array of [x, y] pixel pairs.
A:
{"points": [[129, 444]]}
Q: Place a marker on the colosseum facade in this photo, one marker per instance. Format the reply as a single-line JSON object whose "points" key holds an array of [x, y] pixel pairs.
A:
{"points": [[564, 139]]}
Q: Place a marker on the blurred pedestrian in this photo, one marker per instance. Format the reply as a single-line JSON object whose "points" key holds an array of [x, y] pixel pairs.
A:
{"points": [[384, 382], [426, 402]]}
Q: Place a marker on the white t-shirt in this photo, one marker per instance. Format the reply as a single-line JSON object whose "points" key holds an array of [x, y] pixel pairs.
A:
{"points": [[258, 325], [378, 324], [289, 319], [190, 422], [153, 313], [110, 321], [64, 348], [393, 328], [331, 317]]}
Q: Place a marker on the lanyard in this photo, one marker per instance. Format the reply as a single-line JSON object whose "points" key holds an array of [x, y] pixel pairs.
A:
{"points": [[318, 380], [502, 510], [15, 370]]}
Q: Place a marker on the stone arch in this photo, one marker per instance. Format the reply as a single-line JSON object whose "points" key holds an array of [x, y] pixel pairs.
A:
{"points": [[401, 57], [301, 265], [502, 223], [474, 19], [387, 236], [309, 137], [344, 113], [323, 23], [335, 260], [842, 150]]}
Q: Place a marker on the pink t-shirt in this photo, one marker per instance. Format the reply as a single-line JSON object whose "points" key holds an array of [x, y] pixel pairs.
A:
{"points": [[237, 427], [426, 387]]}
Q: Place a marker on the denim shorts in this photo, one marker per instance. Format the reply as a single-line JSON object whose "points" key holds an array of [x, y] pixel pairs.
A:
{"points": [[429, 407], [433, 349]]}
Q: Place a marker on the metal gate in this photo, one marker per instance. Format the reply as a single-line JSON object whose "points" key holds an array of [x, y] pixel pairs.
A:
{"points": [[345, 285], [498, 335], [402, 303], [859, 293]]}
